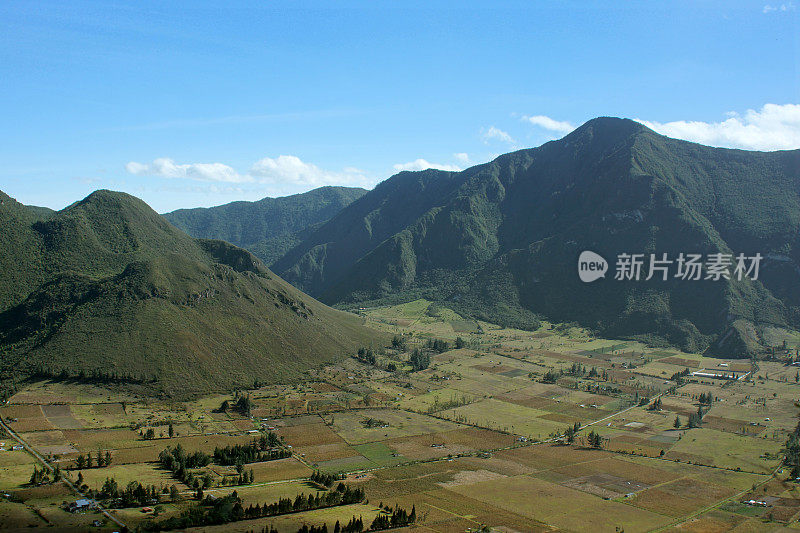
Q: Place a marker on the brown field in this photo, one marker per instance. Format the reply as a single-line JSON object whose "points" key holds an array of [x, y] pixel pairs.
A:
{"points": [[680, 362], [289, 468], [547, 502], [449, 442]]}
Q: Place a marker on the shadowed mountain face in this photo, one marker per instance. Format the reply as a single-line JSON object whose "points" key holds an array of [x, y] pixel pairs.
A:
{"points": [[108, 288], [501, 240], [269, 227]]}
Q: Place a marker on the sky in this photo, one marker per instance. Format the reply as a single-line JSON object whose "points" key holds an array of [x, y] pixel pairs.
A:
{"points": [[194, 104]]}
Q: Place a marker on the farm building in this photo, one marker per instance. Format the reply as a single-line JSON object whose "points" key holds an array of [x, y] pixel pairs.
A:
{"points": [[718, 374], [80, 505]]}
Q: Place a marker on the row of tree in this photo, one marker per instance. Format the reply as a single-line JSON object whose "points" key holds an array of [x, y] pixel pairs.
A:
{"points": [[91, 376], [133, 495], [438, 345], [100, 461], [792, 459], [705, 398], [44, 477], [343, 495], [355, 525], [578, 369], [248, 453], [325, 479], [212, 511], [397, 517], [388, 519]]}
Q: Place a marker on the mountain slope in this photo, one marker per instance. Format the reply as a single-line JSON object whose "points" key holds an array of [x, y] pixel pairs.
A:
{"points": [[501, 240], [270, 226], [108, 287]]}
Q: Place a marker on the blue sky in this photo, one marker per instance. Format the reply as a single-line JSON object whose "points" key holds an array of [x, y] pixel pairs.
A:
{"points": [[192, 104]]}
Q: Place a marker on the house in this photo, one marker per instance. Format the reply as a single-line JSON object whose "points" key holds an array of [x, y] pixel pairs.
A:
{"points": [[17, 447], [80, 505]]}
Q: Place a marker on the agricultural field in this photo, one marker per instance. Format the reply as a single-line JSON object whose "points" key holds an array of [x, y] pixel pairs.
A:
{"points": [[470, 424]]}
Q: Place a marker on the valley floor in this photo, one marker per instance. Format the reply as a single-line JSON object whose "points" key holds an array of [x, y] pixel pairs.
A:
{"points": [[474, 440]]}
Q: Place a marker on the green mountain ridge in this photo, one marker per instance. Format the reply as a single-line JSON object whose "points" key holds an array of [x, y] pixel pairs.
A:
{"points": [[268, 227], [500, 241], [109, 287]]}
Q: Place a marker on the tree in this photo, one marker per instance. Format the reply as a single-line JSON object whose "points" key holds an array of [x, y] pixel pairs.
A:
{"points": [[460, 343], [80, 462], [677, 423], [88, 460], [419, 360], [174, 495], [171, 430], [570, 434], [108, 457]]}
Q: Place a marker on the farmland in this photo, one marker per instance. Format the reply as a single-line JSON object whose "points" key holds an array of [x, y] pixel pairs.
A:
{"points": [[509, 429]]}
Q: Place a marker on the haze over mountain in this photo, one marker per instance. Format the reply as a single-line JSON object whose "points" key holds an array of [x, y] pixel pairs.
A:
{"points": [[501, 240], [268, 227], [108, 287]]}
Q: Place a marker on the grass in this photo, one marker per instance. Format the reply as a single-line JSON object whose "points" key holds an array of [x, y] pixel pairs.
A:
{"points": [[379, 453], [543, 501], [728, 450], [401, 424]]}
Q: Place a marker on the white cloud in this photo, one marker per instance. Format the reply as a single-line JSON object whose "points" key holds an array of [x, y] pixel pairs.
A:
{"points": [[497, 134], [783, 7], [167, 168], [549, 124], [773, 127], [291, 170], [285, 172], [463, 158], [421, 164]]}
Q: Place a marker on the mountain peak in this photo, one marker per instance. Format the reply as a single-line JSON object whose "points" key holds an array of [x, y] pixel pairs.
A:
{"points": [[609, 127]]}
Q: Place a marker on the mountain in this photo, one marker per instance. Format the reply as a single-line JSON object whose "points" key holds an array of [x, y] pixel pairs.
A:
{"points": [[269, 227], [501, 240], [108, 289]]}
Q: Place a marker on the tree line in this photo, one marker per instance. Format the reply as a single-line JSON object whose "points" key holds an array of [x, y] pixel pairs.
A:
{"points": [[214, 511], [248, 453], [792, 459], [325, 479], [100, 461], [92, 376]]}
